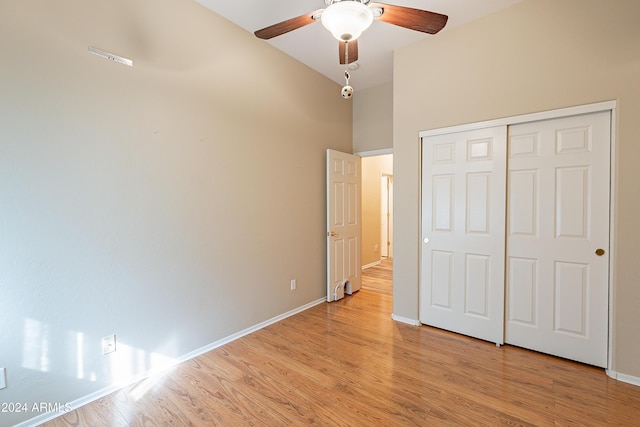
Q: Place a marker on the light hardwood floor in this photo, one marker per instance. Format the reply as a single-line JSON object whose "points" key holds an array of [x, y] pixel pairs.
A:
{"points": [[348, 364], [379, 278]]}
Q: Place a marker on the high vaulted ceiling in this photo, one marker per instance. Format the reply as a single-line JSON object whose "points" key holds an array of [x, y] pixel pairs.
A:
{"points": [[314, 46]]}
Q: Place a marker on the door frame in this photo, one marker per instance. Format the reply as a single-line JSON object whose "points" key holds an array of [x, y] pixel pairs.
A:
{"points": [[546, 115]]}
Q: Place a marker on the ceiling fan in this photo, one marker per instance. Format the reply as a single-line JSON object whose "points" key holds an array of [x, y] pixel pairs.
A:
{"points": [[347, 19]]}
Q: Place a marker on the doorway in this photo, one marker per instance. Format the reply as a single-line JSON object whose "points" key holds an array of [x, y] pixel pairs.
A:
{"points": [[377, 221]]}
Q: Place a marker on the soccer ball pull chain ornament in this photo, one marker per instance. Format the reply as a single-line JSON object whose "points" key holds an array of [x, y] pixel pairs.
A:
{"points": [[347, 91]]}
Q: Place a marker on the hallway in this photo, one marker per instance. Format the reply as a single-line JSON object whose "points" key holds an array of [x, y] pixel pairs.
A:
{"points": [[379, 278]]}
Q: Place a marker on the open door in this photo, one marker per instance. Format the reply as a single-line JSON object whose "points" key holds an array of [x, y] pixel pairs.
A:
{"points": [[343, 224]]}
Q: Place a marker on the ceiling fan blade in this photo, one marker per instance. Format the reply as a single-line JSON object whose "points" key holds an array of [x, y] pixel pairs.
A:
{"points": [[413, 19], [288, 25], [353, 51]]}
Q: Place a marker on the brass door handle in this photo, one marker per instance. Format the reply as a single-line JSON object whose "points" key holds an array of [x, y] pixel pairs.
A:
{"points": [[333, 234], [599, 251]]}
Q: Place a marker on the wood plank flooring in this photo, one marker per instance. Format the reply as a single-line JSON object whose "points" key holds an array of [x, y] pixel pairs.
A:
{"points": [[348, 364], [379, 277]]}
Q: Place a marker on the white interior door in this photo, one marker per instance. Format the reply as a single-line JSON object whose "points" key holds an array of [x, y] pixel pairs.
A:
{"points": [[463, 229], [343, 224], [558, 211]]}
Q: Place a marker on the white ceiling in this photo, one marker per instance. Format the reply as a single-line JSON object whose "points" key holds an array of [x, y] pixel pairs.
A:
{"points": [[314, 46]]}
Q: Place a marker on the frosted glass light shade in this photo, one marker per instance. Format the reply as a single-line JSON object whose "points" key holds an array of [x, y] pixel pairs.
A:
{"points": [[346, 20]]}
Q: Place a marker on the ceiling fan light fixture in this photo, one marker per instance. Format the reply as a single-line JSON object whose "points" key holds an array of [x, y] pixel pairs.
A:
{"points": [[346, 20]]}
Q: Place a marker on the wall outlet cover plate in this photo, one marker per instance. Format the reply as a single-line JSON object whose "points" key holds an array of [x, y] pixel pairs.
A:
{"points": [[108, 344]]}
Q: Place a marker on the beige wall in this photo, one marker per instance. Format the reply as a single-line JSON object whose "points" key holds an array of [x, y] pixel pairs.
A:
{"points": [[170, 203], [373, 118], [537, 55], [372, 170]]}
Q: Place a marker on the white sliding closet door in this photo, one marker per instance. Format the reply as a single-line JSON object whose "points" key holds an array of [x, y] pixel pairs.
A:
{"points": [[558, 237], [463, 230]]}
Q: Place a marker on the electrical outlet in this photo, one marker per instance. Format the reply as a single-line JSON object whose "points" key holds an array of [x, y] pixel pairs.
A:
{"points": [[3, 378], [108, 344], [293, 284]]}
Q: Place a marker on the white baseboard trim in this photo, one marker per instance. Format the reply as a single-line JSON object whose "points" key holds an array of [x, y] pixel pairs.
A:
{"points": [[373, 264], [624, 377], [413, 322], [40, 419]]}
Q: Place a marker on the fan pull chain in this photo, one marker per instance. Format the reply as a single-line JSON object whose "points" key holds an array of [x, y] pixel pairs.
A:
{"points": [[347, 91], [346, 62], [346, 54]]}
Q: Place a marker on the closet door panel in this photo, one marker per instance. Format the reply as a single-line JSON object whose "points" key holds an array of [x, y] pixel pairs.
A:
{"points": [[558, 211], [463, 229]]}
